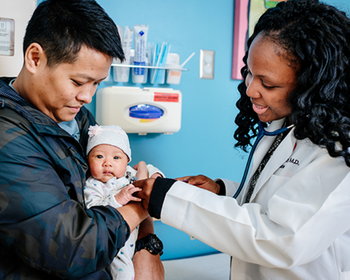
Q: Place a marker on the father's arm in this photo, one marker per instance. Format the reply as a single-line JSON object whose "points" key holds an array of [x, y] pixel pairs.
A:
{"points": [[42, 220], [147, 266]]}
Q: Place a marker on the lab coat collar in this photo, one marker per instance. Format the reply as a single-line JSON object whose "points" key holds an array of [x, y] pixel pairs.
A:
{"points": [[281, 154]]}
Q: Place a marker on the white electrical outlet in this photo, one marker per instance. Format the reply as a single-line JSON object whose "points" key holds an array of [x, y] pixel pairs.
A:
{"points": [[206, 64]]}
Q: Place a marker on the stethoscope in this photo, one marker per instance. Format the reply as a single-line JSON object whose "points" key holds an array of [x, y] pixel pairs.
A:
{"points": [[262, 132]]}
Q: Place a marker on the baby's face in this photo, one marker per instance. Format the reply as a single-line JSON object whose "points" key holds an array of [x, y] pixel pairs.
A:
{"points": [[106, 162]]}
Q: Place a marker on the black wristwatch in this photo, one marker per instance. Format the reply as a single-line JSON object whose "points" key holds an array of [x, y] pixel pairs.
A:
{"points": [[151, 243]]}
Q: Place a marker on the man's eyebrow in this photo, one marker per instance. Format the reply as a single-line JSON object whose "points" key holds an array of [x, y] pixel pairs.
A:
{"points": [[85, 76], [82, 75]]}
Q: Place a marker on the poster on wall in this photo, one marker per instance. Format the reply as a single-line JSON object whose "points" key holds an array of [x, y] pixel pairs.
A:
{"points": [[247, 12]]}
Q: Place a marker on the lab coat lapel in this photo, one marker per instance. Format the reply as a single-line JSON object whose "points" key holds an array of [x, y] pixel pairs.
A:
{"points": [[281, 154], [262, 148]]}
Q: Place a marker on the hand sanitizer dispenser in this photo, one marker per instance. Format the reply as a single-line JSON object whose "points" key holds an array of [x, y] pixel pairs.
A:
{"points": [[142, 111]]}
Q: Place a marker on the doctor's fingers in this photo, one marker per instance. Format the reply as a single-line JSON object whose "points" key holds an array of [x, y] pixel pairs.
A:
{"points": [[146, 187], [194, 180], [184, 179], [201, 181]]}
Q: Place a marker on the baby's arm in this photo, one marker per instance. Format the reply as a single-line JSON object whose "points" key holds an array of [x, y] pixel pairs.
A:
{"points": [[156, 175], [147, 170], [141, 170], [154, 172], [125, 194]]}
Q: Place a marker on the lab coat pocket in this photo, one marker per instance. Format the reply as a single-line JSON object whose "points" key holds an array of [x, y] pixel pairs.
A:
{"points": [[269, 189]]}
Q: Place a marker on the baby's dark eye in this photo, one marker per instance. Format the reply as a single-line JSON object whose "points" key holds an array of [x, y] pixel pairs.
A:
{"points": [[116, 157], [99, 156]]}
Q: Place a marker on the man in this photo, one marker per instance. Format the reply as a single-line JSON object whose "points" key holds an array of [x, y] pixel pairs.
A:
{"points": [[46, 232]]}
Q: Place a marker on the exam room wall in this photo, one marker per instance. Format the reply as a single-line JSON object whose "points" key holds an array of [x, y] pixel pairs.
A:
{"points": [[205, 143]]}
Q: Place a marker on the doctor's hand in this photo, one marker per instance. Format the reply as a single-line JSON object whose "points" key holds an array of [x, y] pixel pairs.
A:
{"points": [[202, 182], [146, 187]]}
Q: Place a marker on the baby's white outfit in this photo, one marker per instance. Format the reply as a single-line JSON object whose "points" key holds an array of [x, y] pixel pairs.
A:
{"points": [[97, 193]]}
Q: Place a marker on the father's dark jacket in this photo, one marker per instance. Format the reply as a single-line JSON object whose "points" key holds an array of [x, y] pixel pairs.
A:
{"points": [[45, 227]]}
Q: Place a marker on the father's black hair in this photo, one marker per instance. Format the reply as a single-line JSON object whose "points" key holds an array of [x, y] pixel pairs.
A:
{"points": [[62, 27]]}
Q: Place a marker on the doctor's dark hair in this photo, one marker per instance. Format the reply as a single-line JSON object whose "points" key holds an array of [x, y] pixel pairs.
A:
{"points": [[316, 38], [62, 27]]}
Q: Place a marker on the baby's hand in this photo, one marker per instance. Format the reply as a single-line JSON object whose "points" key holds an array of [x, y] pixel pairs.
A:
{"points": [[126, 194], [142, 172]]}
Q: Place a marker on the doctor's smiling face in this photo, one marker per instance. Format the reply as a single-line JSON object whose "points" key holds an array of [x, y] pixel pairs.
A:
{"points": [[270, 79]]}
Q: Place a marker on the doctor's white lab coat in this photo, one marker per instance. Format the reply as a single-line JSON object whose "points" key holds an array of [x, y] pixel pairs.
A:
{"points": [[297, 225]]}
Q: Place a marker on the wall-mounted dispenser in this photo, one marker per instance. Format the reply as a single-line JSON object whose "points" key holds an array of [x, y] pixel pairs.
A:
{"points": [[14, 17], [142, 111]]}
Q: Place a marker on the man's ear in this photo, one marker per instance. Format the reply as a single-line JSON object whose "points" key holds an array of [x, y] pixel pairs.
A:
{"points": [[34, 57]]}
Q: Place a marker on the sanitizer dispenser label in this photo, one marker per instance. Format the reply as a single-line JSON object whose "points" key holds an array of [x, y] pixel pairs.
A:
{"points": [[166, 97]]}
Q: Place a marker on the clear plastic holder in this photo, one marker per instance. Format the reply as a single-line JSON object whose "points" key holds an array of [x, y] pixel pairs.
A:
{"points": [[173, 71], [120, 74], [174, 76], [135, 79], [157, 76]]}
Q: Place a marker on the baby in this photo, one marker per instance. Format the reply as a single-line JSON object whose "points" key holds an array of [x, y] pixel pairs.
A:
{"points": [[109, 153]]}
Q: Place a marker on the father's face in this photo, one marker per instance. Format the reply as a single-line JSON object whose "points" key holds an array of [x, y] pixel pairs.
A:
{"points": [[61, 90]]}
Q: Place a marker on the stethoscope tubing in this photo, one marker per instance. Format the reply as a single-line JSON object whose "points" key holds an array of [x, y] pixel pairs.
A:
{"points": [[262, 132]]}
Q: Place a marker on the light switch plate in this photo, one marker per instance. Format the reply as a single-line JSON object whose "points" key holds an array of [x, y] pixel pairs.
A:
{"points": [[206, 64]]}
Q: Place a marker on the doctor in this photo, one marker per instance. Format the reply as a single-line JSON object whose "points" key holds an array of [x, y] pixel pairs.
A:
{"points": [[292, 218]]}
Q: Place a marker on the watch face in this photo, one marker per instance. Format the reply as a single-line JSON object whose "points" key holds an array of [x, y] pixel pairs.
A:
{"points": [[151, 243], [157, 244]]}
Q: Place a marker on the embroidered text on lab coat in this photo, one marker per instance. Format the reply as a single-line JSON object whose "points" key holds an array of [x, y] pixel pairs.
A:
{"points": [[291, 160]]}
